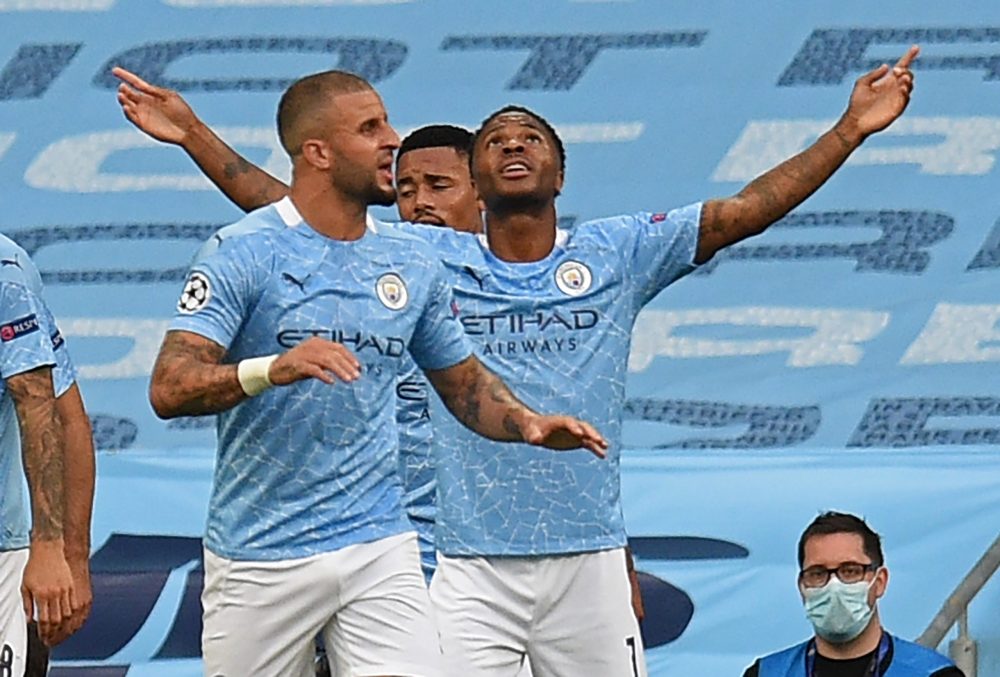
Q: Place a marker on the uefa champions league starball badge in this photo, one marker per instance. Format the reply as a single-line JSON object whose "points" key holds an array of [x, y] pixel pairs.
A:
{"points": [[197, 292]]}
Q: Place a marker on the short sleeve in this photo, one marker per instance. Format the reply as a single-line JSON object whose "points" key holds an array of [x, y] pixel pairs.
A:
{"points": [[661, 248], [64, 375], [219, 292], [24, 342], [438, 339]]}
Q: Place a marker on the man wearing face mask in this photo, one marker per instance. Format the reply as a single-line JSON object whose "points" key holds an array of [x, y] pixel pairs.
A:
{"points": [[842, 576]]}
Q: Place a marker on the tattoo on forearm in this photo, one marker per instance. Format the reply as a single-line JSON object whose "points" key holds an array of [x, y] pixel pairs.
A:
{"points": [[41, 448], [188, 372], [771, 195], [480, 400]]}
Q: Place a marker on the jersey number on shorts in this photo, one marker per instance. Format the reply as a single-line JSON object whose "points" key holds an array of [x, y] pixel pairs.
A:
{"points": [[630, 643], [6, 661]]}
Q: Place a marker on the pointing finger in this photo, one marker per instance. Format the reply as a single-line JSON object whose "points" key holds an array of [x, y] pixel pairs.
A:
{"points": [[911, 54]]}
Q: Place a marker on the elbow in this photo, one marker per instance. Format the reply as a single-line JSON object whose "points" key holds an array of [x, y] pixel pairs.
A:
{"points": [[164, 406]]}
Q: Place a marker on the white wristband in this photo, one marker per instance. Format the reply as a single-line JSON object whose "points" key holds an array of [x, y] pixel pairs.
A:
{"points": [[252, 374]]}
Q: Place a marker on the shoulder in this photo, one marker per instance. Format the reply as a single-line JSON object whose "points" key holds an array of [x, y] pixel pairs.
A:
{"points": [[631, 223], [262, 223], [436, 236], [16, 267], [407, 244], [910, 654]]}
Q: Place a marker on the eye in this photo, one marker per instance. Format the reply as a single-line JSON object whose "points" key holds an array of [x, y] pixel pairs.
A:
{"points": [[442, 185], [533, 138], [407, 193], [493, 142]]}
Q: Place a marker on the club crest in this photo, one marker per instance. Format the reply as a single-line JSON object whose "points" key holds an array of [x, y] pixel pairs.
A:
{"points": [[573, 278], [391, 291]]}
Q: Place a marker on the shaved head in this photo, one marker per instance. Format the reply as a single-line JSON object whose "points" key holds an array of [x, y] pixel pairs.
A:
{"points": [[302, 106]]}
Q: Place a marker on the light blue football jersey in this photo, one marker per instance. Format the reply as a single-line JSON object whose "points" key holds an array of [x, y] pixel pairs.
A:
{"points": [[416, 465], [29, 338], [558, 331], [311, 467]]}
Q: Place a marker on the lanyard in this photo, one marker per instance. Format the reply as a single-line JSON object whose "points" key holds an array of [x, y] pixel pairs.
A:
{"points": [[874, 666]]}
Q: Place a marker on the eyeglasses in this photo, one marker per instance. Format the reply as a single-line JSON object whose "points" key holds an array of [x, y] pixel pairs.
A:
{"points": [[848, 572]]}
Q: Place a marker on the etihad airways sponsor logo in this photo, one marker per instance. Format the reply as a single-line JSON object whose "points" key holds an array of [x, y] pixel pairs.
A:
{"points": [[523, 323], [390, 346]]}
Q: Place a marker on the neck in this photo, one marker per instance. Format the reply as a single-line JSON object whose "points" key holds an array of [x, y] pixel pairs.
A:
{"points": [[327, 210], [522, 235], [863, 644]]}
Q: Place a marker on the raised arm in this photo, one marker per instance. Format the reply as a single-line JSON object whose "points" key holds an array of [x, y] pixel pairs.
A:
{"points": [[47, 587], [879, 97], [189, 378], [484, 404], [78, 478], [165, 116]]}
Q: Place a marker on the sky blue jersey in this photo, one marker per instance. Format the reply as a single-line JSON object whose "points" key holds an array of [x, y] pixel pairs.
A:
{"points": [[412, 405], [29, 339], [558, 332], [311, 467]]}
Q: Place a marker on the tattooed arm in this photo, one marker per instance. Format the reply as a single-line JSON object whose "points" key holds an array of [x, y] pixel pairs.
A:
{"points": [[484, 404], [47, 586], [165, 116], [78, 474], [879, 97], [189, 379]]}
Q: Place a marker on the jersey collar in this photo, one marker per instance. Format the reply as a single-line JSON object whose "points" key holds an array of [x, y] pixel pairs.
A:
{"points": [[291, 216]]}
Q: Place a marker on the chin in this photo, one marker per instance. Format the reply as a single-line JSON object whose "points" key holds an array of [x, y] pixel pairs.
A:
{"points": [[385, 197]]}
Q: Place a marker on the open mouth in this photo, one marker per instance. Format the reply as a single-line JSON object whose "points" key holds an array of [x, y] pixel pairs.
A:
{"points": [[515, 170]]}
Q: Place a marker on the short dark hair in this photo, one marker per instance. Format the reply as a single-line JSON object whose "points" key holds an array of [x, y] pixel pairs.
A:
{"points": [[831, 522], [437, 136], [303, 99], [513, 108]]}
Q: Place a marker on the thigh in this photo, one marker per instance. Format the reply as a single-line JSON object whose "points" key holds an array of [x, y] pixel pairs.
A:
{"points": [[385, 624], [484, 612], [261, 618], [13, 623], [585, 626]]}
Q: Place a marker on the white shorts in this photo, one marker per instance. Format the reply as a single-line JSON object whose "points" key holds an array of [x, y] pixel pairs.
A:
{"points": [[569, 615], [369, 601], [13, 623]]}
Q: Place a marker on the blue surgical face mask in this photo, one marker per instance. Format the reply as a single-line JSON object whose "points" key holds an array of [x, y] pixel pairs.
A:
{"points": [[839, 611]]}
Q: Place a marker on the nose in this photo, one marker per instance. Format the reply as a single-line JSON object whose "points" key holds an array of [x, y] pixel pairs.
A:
{"points": [[423, 197], [392, 138], [513, 145]]}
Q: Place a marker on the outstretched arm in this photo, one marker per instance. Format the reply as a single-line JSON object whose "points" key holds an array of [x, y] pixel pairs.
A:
{"points": [[165, 116], [879, 97], [47, 587], [484, 404], [190, 380], [78, 476]]}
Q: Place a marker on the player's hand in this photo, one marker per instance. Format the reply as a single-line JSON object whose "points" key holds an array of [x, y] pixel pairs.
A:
{"points": [[562, 432], [47, 588], [159, 112], [881, 96], [80, 570], [315, 358]]}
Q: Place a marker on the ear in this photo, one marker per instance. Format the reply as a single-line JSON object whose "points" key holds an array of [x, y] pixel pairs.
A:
{"points": [[880, 582], [559, 182], [316, 153]]}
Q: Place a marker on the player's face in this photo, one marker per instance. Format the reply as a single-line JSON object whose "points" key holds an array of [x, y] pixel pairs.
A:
{"points": [[434, 186], [362, 143], [516, 160]]}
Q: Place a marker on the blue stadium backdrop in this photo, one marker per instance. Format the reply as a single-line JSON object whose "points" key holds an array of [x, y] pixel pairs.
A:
{"points": [[847, 359]]}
